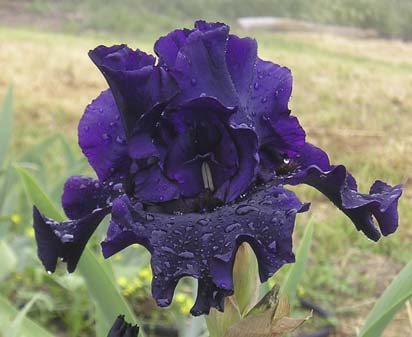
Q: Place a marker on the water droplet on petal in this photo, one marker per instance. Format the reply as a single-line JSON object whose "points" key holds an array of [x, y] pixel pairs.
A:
{"points": [[256, 86], [245, 209], [232, 227], [193, 81], [149, 217], [49, 272], [106, 138], [186, 255], [272, 246], [203, 221], [264, 99], [168, 250], [120, 140], [286, 160]]}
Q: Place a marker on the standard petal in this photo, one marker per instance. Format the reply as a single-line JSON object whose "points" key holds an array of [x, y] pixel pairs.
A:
{"points": [[120, 57], [102, 138], [263, 88], [200, 135], [82, 195], [137, 86], [204, 245], [200, 67], [151, 185], [246, 144], [338, 185], [65, 240], [167, 47]]}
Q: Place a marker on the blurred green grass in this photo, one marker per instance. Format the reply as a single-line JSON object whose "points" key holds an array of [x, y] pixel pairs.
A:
{"points": [[389, 18], [351, 95]]}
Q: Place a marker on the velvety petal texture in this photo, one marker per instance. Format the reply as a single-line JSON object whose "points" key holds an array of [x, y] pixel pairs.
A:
{"points": [[191, 152], [312, 167], [65, 240], [121, 328], [102, 138], [204, 245]]}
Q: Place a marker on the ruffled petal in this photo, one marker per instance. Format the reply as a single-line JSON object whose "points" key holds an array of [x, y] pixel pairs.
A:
{"points": [[337, 184], [66, 239], [263, 88], [200, 67], [284, 135], [167, 47], [274, 85], [137, 86], [102, 138], [204, 245], [82, 195]]}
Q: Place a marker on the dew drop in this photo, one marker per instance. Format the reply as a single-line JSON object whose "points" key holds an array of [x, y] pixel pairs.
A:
{"points": [[149, 217], [186, 255], [67, 237], [272, 246], [264, 99], [245, 209], [193, 81], [286, 160], [232, 227], [120, 140], [206, 236], [168, 250], [256, 86], [203, 221], [49, 272], [118, 187], [106, 138]]}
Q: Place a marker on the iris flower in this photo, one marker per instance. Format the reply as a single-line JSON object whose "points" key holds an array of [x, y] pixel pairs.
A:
{"points": [[121, 328], [191, 151]]}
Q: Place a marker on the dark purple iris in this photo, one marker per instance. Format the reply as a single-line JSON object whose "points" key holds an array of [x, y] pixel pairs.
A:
{"points": [[121, 328], [191, 153]]}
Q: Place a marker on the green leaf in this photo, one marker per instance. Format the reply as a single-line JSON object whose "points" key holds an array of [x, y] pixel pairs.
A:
{"points": [[6, 119], [392, 299], [219, 322], [295, 272], [96, 272], [15, 327], [8, 260], [37, 196], [102, 288], [27, 327], [245, 278]]}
